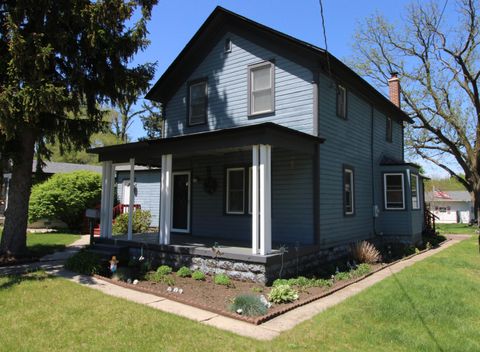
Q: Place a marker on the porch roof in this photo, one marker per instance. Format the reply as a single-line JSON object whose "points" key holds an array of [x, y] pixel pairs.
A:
{"points": [[150, 151]]}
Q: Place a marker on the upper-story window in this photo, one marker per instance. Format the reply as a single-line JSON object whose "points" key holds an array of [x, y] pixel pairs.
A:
{"points": [[389, 131], [261, 88], [414, 190], [348, 191], [197, 102], [227, 46], [341, 101], [394, 191]]}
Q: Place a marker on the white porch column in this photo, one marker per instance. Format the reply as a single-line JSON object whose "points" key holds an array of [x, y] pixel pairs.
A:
{"points": [[111, 185], [131, 199], [165, 199], [106, 169], [265, 200], [255, 199]]}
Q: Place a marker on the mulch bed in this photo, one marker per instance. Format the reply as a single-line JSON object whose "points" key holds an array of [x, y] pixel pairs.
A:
{"points": [[216, 298]]}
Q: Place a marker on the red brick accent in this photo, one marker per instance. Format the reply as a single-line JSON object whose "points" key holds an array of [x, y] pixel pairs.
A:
{"points": [[394, 89]]}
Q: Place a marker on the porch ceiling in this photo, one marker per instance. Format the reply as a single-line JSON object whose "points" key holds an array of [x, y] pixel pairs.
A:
{"points": [[150, 152]]}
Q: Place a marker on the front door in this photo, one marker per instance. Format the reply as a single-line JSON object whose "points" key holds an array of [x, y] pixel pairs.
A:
{"points": [[181, 202]]}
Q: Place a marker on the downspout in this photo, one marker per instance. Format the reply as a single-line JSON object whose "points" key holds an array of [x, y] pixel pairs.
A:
{"points": [[316, 156], [374, 209]]}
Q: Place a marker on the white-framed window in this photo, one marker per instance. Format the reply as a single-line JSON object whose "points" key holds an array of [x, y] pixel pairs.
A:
{"points": [[389, 130], [341, 101], [394, 191], [348, 191], [197, 102], [261, 88], [414, 189], [235, 199]]}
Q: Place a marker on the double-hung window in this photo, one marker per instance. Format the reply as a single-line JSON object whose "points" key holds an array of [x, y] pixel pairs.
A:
{"points": [[394, 192], [414, 191], [235, 198], [341, 101], [348, 191], [261, 88], [197, 102]]}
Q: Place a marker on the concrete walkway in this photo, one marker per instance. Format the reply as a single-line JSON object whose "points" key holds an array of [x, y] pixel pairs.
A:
{"points": [[50, 262], [267, 330]]}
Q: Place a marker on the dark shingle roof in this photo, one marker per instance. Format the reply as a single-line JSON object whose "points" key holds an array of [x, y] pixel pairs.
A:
{"points": [[62, 168]]}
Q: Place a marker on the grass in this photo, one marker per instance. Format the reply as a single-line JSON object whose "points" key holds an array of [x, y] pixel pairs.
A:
{"points": [[430, 306], [40, 244], [455, 229]]}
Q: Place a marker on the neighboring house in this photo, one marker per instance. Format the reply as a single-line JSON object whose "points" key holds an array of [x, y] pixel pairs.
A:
{"points": [[48, 170], [270, 143], [450, 206]]}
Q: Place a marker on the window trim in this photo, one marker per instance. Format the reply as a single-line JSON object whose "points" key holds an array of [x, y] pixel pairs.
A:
{"points": [[389, 130], [351, 170], [385, 190], [345, 101], [417, 189], [227, 49], [250, 69], [249, 186], [189, 86], [227, 190]]}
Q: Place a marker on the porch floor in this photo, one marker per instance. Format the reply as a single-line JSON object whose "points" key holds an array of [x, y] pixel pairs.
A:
{"points": [[197, 243]]}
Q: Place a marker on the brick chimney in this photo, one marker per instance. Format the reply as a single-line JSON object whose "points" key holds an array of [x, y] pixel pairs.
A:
{"points": [[394, 89]]}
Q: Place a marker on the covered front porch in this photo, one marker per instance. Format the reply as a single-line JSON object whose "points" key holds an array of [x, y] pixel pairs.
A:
{"points": [[247, 191]]}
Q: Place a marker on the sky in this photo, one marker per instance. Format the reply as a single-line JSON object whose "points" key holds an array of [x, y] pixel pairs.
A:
{"points": [[174, 22]]}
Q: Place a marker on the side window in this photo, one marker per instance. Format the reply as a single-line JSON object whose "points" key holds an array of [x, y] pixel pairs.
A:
{"points": [[341, 101], [235, 199], [394, 192], [389, 131], [197, 102], [261, 86], [414, 191], [348, 191]]}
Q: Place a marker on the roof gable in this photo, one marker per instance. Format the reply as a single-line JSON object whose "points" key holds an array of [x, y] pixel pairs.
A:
{"points": [[222, 21]]}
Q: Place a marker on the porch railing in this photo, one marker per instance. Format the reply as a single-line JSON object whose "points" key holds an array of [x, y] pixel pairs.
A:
{"points": [[123, 208], [429, 221]]}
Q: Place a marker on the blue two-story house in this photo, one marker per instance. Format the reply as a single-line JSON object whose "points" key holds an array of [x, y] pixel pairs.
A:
{"points": [[270, 143]]}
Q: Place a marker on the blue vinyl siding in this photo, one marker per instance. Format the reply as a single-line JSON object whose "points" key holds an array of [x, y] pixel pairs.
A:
{"points": [[227, 76]]}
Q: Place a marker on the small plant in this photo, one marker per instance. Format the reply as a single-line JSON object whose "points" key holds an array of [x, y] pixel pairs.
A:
{"points": [[361, 270], [417, 250], [303, 282], [222, 279], [198, 275], [154, 276], [342, 275], [248, 305], [257, 289], [84, 263], [282, 294], [184, 272], [323, 283], [428, 246], [164, 270], [365, 252]]}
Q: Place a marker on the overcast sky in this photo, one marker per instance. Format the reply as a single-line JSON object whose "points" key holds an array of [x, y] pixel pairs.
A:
{"points": [[174, 22]]}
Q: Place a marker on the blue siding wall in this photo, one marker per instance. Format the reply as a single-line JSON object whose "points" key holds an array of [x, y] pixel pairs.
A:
{"points": [[227, 91], [148, 191]]}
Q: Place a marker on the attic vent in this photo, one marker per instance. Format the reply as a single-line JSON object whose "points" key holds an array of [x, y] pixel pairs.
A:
{"points": [[228, 46]]}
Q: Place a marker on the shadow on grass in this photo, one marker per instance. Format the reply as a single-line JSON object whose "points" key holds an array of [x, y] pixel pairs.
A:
{"points": [[13, 280], [418, 313], [39, 250]]}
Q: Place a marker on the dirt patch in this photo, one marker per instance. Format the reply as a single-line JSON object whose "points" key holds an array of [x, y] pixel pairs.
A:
{"points": [[217, 298]]}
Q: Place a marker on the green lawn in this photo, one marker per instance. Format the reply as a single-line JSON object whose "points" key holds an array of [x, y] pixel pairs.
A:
{"points": [[455, 229], [431, 306], [40, 244]]}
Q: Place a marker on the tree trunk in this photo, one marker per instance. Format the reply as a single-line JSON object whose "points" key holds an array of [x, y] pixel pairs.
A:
{"points": [[16, 216]]}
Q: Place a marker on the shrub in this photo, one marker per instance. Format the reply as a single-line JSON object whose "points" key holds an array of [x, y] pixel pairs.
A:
{"points": [[282, 294], [84, 262], [65, 197], [342, 275], [364, 252], [361, 270], [140, 222], [303, 282], [222, 279], [250, 305], [164, 270], [155, 276], [198, 275], [184, 272]]}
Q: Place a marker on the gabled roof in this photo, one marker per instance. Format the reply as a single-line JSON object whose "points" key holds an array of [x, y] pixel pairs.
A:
{"points": [[448, 196], [221, 21]]}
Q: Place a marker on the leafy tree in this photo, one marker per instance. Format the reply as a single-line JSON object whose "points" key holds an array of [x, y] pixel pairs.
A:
{"points": [[439, 66], [57, 56], [152, 120], [65, 197], [125, 115]]}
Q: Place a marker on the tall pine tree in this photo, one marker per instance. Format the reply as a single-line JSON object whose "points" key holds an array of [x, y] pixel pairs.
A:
{"points": [[57, 56]]}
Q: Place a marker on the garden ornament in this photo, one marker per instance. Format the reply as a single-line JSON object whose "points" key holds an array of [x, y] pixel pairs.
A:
{"points": [[113, 264]]}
